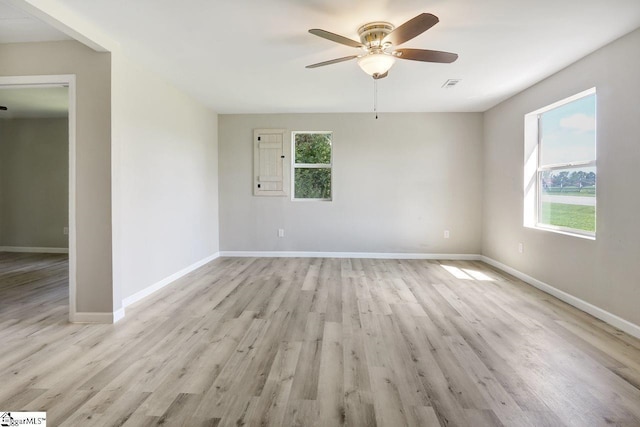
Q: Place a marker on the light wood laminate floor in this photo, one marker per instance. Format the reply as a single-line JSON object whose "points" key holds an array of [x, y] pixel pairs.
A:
{"points": [[246, 341]]}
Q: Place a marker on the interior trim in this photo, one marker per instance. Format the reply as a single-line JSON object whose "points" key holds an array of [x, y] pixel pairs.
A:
{"points": [[89, 317], [597, 312], [34, 250], [371, 255], [166, 281]]}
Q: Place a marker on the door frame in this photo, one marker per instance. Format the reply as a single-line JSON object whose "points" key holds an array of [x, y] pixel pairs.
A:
{"points": [[68, 80]]}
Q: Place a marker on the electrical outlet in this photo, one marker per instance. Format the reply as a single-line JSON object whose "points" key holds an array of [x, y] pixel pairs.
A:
{"points": [[446, 234], [520, 247], [280, 232], [65, 231]]}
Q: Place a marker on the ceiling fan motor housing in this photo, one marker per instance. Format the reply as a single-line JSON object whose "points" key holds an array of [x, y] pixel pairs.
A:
{"points": [[372, 34]]}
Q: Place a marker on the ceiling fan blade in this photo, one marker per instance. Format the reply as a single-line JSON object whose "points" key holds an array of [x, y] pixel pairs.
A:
{"points": [[426, 55], [411, 29], [333, 61], [335, 38]]}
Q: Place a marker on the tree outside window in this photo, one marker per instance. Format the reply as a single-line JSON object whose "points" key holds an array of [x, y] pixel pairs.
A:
{"points": [[312, 165]]}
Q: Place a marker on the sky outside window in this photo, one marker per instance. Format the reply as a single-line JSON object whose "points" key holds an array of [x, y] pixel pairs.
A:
{"points": [[569, 132]]}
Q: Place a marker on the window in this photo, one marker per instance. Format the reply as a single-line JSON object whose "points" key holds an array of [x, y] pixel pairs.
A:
{"points": [[312, 165], [561, 165]]}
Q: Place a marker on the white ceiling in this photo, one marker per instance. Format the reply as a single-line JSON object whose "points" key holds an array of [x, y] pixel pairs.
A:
{"points": [[17, 26], [34, 102], [248, 56]]}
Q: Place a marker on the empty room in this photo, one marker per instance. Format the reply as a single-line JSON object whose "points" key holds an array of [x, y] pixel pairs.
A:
{"points": [[319, 213]]}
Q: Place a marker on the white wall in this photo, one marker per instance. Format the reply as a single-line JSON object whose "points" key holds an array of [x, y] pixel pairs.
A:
{"points": [[34, 182], [603, 272], [93, 159], [165, 179], [398, 183]]}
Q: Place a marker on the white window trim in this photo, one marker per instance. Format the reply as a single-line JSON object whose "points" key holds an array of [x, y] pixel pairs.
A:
{"points": [[295, 165], [532, 170]]}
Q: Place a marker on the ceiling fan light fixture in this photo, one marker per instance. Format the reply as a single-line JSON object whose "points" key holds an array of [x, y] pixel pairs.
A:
{"points": [[376, 63]]}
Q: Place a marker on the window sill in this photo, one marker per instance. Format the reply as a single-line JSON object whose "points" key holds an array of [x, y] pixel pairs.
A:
{"points": [[564, 232]]}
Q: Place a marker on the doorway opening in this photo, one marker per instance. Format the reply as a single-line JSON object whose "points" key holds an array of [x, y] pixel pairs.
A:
{"points": [[37, 190]]}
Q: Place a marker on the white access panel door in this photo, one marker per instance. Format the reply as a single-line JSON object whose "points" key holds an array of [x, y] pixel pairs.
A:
{"points": [[269, 163]]}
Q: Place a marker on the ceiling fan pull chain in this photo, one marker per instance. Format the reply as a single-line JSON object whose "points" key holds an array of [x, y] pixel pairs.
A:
{"points": [[375, 97]]}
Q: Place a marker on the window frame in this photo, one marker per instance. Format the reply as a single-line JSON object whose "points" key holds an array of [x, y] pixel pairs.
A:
{"points": [[295, 166], [534, 169]]}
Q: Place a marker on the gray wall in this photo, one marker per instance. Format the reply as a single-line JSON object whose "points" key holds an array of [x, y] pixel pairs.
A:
{"points": [[398, 183], [165, 175], [603, 272], [34, 182], [93, 155]]}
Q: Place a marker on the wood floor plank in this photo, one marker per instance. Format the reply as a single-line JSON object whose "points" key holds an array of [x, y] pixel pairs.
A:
{"points": [[358, 395], [315, 342], [268, 408], [387, 402], [331, 377]]}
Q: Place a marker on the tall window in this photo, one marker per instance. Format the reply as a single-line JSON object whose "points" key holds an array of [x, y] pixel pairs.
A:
{"points": [[565, 178], [312, 164]]}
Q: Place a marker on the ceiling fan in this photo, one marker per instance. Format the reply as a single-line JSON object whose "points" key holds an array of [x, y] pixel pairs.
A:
{"points": [[379, 41]]}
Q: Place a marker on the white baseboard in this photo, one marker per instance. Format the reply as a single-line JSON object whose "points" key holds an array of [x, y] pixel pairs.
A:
{"points": [[369, 255], [167, 280], [88, 317], [118, 314], [597, 312], [32, 250]]}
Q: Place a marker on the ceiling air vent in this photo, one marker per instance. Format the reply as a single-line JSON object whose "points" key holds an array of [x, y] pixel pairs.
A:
{"points": [[450, 83]]}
